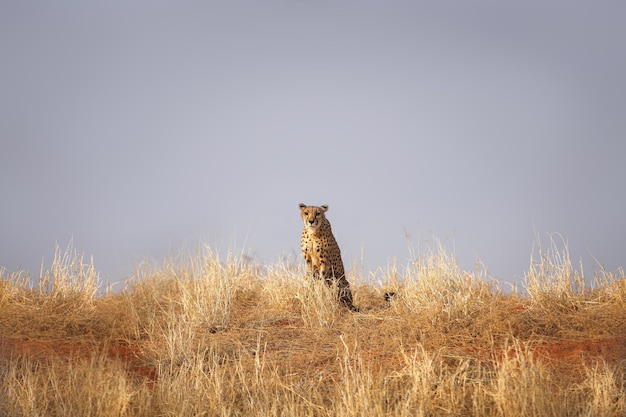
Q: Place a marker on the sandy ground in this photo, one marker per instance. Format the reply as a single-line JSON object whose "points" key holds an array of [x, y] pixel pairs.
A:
{"points": [[564, 355]]}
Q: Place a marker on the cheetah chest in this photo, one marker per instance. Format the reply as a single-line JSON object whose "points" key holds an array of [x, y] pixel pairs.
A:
{"points": [[314, 251]]}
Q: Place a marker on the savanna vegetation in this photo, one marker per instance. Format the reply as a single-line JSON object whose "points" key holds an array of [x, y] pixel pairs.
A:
{"points": [[200, 336]]}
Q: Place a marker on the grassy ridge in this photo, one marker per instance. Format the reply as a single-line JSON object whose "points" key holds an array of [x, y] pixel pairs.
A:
{"points": [[201, 337]]}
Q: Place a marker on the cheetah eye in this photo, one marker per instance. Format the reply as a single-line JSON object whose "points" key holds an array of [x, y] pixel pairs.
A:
{"points": [[306, 213]]}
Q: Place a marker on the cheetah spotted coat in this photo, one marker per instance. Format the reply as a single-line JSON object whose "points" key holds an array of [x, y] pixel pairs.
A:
{"points": [[321, 252]]}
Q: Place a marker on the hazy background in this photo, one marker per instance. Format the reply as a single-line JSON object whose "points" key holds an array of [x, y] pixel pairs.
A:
{"points": [[140, 128]]}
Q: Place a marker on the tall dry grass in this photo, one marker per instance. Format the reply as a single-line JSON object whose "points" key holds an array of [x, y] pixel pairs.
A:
{"points": [[222, 338]]}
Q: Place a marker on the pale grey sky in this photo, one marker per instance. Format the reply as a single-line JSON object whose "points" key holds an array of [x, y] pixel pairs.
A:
{"points": [[138, 128]]}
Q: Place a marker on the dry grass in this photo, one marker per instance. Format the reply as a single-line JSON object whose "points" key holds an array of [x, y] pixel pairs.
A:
{"points": [[200, 337]]}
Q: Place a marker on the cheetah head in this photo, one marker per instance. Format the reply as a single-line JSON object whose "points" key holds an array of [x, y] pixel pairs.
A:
{"points": [[313, 216]]}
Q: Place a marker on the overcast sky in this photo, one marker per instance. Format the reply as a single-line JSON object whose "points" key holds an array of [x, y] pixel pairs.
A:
{"points": [[140, 128]]}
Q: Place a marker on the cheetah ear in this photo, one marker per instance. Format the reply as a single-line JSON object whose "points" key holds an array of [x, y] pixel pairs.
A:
{"points": [[324, 207], [302, 205]]}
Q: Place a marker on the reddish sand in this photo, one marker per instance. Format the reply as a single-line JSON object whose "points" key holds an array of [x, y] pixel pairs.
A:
{"points": [[44, 350], [566, 354], [612, 350], [561, 354]]}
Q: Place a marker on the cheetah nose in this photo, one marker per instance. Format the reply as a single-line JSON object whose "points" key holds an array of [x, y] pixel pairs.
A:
{"points": [[311, 222]]}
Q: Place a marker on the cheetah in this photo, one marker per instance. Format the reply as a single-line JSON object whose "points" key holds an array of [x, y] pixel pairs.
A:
{"points": [[321, 252]]}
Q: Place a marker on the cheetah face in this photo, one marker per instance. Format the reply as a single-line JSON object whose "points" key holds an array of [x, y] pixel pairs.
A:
{"points": [[312, 216]]}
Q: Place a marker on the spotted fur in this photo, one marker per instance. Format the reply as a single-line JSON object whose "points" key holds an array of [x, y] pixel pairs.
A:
{"points": [[321, 252]]}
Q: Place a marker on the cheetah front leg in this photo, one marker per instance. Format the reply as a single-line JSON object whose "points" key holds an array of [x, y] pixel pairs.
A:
{"points": [[310, 267], [315, 274], [326, 275]]}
